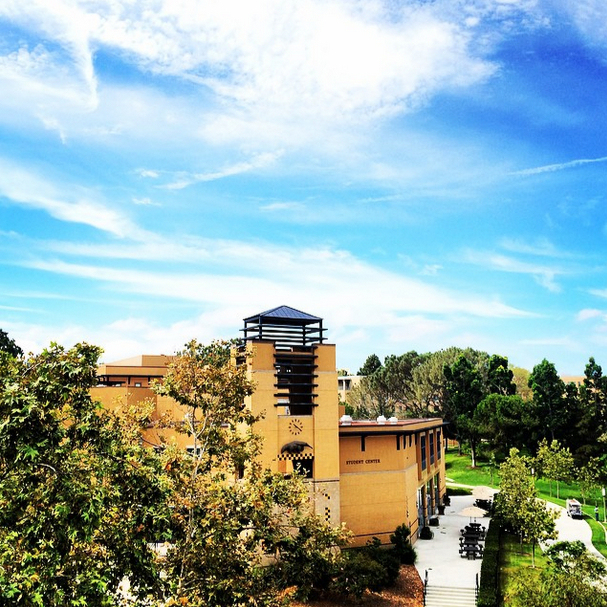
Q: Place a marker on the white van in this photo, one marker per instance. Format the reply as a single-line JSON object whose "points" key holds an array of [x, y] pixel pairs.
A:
{"points": [[574, 509]]}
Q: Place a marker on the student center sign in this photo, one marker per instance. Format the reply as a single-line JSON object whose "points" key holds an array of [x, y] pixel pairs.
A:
{"points": [[370, 475]]}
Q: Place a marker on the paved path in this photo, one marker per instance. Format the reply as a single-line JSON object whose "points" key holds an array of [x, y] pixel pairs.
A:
{"points": [[440, 555], [570, 529]]}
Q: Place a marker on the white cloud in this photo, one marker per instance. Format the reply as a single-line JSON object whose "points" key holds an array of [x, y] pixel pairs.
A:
{"points": [[267, 274], [26, 188], [146, 202], [257, 162], [549, 168], [590, 314], [590, 19], [317, 61], [540, 247], [280, 207], [544, 275]]}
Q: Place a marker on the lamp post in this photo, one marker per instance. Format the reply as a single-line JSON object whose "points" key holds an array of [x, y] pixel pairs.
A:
{"points": [[603, 491]]}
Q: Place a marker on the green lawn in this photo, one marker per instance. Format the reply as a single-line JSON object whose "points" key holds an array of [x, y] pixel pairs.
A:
{"points": [[513, 559], [459, 470]]}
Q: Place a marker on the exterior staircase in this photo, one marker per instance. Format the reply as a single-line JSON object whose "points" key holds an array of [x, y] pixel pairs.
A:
{"points": [[443, 596]]}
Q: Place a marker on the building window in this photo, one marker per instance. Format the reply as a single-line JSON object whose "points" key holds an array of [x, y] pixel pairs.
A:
{"points": [[431, 448], [439, 444], [423, 451], [305, 467]]}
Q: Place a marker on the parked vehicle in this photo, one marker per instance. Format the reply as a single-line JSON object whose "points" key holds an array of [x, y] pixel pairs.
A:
{"points": [[574, 508]]}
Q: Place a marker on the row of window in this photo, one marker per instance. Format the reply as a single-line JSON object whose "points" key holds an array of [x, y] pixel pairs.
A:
{"points": [[435, 450]]}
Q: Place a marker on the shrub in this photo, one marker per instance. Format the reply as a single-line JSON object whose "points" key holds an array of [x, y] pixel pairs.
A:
{"points": [[402, 545], [372, 567]]}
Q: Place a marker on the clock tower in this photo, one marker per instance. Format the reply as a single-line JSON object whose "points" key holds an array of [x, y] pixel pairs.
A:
{"points": [[295, 374]]}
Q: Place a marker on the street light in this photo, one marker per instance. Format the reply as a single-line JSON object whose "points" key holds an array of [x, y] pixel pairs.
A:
{"points": [[603, 490]]}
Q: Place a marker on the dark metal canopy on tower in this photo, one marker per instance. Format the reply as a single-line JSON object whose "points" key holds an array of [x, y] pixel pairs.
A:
{"points": [[286, 326]]}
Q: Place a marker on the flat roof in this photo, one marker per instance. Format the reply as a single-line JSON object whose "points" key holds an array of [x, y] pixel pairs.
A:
{"points": [[401, 425]]}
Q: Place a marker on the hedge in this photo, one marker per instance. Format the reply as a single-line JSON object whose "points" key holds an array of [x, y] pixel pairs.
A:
{"points": [[488, 594]]}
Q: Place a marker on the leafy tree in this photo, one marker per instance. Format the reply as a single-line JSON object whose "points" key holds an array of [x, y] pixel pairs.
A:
{"points": [[388, 390], [591, 427], [371, 365], [553, 415], [80, 498], [225, 526], [465, 392], [554, 463], [589, 476], [520, 377], [429, 382], [368, 400], [500, 379], [517, 504], [8, 345], [501, 421], [568, 581]]}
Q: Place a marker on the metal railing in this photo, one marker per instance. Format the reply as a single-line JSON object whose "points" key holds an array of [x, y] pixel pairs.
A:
{"points": [[476, 589], [425, 585]]}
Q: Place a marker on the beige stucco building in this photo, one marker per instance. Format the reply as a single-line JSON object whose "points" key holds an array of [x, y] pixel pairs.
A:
{"points": [[370, 475]]}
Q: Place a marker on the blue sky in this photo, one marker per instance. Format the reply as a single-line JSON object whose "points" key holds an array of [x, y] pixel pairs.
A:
{"points": [[419, 174]]}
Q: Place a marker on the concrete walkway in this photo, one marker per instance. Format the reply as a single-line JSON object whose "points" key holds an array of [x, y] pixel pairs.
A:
{"points": [[440, 555], [570, 529]]}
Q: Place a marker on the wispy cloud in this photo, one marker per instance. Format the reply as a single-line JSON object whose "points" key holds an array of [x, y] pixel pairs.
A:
{"points": [[544, 275], [549, 168], [257, 162], [146, 202], [271, 273], [590, 314], [318, 63], [25, 187], [279, 207], [540, 247]]}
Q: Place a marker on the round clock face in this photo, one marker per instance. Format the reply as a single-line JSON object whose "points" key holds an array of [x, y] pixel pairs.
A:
{"points": [[295, 426]]}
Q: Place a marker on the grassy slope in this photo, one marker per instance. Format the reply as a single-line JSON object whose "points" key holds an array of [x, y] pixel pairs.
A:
{"points": [[514, 558]]}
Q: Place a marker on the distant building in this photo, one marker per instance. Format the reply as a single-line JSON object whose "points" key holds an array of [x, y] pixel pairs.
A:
{"points": [[345, 383], [371, 475]]}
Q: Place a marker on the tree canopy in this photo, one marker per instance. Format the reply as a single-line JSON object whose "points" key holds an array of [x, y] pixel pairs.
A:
{"points": [[80, 499], [370, 366], [83, 502], [517, 505], [8, 345]]}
